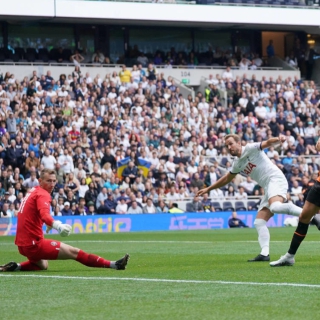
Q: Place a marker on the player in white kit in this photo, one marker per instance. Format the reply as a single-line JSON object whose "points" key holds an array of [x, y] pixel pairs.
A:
{"points": [[252, 161]]}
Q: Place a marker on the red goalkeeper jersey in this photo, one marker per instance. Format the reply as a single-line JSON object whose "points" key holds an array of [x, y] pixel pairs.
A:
{"points": [[33, 212]]}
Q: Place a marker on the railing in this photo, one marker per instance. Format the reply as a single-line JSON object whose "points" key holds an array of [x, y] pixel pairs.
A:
{"points": [[307, 4], [71, 64], [147, 1], [273, 4]]}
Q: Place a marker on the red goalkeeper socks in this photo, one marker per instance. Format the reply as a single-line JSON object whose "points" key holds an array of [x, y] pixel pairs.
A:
{"points": [[91, 260], [29, 266]]}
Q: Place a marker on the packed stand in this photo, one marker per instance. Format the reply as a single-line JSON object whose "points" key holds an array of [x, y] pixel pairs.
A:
{"points": [[211, 57], [83, 126]]}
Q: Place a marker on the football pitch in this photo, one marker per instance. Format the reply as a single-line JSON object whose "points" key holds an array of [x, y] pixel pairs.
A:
{"points": [[171, 275]]}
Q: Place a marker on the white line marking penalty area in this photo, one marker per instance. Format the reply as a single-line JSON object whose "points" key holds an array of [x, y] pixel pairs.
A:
{"points": [[218, 282]]}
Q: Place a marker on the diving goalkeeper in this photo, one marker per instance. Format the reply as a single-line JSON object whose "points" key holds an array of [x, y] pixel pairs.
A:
{"points": [[33, 212]]}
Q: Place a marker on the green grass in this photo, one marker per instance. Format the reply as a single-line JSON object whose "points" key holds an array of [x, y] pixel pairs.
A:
{"points": [[216, 255]]}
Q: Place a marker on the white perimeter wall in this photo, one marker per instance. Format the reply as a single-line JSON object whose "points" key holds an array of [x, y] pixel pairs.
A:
{"points": [[193, 75]]}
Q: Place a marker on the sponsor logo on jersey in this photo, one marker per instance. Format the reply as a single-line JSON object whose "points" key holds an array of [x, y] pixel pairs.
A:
{"points": [[53, 243], [248, 169]]}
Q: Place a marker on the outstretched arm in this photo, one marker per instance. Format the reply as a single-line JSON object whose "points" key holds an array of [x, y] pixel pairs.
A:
{"points": [[218, 184], [270, 142]]}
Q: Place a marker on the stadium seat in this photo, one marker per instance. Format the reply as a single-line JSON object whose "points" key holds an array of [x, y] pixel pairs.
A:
{"points": [[44, 57], [253, 205], [20, 52], [67, 53], [217, 206], [31, 52], [224, 161], [6, 52], [240, 206], [43, 51], [228, 206], [14, 57], [31, 57]]}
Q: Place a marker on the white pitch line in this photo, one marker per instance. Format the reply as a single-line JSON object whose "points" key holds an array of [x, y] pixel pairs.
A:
{"points": [[267, 284], [163, 241]]}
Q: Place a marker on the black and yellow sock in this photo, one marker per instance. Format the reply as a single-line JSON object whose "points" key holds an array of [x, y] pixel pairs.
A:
{"points": [[298, 237]]}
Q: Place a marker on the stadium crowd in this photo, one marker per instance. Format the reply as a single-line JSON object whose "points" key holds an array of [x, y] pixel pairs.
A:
{"points": [[82, 125], [210, 57]]}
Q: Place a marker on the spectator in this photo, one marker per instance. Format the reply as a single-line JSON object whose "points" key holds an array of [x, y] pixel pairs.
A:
{"points": [[122, 207], [162, 207], [134, 208], [109, 206], [149, 207], [66, 211], [270, 49], [196, 205], [31, 182], [235, 222], [130, 171], [248, 185]]}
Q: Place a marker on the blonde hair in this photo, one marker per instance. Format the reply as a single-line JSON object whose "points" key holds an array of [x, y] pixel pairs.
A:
{"points": [[46, 171]]}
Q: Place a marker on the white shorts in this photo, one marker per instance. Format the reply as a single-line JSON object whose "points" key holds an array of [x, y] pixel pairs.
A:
{"points": [[277, 186]]}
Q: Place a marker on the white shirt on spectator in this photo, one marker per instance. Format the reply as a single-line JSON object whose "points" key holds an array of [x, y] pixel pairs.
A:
{"points": [[296, 190], [48, 162], [66, 163], [260, 112], [310, 132], [227, 75], [121, 208], [216, 194]]}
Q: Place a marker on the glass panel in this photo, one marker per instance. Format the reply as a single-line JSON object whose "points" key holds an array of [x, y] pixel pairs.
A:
{"points": [[1, 38], [204, 39], [39, 37], [116, 44], [150, 40], [86, 40]]}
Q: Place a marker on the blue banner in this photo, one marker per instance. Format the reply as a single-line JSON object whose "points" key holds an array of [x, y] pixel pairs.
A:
{"points": [[148, 222]]}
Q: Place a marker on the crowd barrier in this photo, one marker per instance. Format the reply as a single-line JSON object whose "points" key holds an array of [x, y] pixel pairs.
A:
{"points": [[148, 222]]}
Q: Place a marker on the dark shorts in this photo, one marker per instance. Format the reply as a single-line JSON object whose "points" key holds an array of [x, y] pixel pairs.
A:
{"points": [[314, 194], [44, 249]]}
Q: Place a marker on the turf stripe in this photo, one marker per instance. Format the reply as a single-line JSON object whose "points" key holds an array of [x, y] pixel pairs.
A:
{"points": [[269, 284]]}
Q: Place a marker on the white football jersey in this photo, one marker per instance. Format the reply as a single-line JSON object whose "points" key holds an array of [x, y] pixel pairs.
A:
{"points": [[255, 163]]}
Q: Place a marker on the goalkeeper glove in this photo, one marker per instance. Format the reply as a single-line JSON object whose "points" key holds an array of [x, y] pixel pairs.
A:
{"points": [[63, 229]]}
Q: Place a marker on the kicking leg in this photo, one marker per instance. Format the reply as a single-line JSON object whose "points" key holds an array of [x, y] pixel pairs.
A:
{"points": [[90, 260], [309, 210], [277, 206], [260, 224]]}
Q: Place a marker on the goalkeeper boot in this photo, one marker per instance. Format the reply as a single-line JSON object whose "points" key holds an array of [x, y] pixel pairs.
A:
{"points": [[286, 260], [122, 263], [11, 266], [260, 257]]}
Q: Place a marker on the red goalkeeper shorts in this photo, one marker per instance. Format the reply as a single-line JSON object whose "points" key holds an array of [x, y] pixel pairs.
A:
{"points": [[44, 249]]}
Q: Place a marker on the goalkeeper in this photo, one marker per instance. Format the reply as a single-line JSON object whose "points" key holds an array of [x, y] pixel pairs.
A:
{"points": [[33, 212]]}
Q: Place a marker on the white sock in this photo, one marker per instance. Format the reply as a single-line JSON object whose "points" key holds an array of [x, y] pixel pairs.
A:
{"points": [[113, 265], [285, 208], [263, 236], [289, 255]]}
